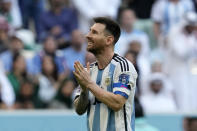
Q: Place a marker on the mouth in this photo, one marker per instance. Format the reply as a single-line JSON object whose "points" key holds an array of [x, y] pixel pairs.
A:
{"points": [[90, 42]]}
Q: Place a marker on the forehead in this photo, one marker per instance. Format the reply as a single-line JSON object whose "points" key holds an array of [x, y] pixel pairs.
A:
{"points": [[98, 27]]}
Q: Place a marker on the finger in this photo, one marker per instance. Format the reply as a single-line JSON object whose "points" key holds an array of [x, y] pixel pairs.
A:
{"points": [[88, 67], [78, 66], [76, 69], [76, 75]]}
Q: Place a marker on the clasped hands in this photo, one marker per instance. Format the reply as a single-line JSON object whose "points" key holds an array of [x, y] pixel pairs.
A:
{"points": [[82, 75]]}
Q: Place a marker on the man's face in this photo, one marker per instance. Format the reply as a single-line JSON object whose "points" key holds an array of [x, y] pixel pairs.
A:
{"points": [[156, 86], [50, 45], [128, 18], [77, 38], [96, 38], [16, 45]]}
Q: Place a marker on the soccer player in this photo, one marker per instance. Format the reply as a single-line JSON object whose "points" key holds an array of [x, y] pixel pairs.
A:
{"points": [[107, 86]]}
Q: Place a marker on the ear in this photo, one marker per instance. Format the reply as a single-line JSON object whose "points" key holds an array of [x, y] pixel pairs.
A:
{"points": [[110, 40]]}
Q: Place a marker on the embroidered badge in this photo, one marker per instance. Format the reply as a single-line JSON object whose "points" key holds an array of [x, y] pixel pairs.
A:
{"points": [[124, 78], [107, 81]]}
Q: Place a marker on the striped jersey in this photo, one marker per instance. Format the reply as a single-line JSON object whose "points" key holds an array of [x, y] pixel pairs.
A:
{"points": [[119, 77], [169, 13]]}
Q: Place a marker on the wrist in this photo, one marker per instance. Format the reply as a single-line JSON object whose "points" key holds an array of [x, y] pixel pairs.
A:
{"points": [[90, 85]]}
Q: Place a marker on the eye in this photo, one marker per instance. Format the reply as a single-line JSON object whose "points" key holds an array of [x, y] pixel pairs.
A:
{"points": [[94, 32]]}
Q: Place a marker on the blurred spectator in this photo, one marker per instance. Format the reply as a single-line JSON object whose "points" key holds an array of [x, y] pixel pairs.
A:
{"points": [[4, 37], [28, 38], [76, 52], [87, 9], [90, 57], [180, 60], [156, 66], [10, 9], [48, 81], [49, 48], [64, 95], [142, 9], [167, 13], [7, 96], [157, 98], [132, 57], [15, 46], [128, 33], [195, 4], [26, 97], [59, 21], [18, 72], [190, 124], [31, 10], [140, 121], [142, 62]]}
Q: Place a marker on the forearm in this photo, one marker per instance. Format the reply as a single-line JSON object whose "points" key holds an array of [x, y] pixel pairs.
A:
{"points": [[81, 103], [113, 101]]}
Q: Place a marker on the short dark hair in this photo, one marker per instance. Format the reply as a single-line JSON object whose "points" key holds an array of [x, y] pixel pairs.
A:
{"points": [[111, 26], [121, 10]]}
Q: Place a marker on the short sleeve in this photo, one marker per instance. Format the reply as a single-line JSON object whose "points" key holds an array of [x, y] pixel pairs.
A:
{"points": [[125, 82]]}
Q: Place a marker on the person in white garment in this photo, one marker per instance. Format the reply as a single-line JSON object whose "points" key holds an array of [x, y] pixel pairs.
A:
{"points": [[181, 51], [107, 88], [87, 9], [129, 36], [7, 95], [157, 98], [167, 13]]}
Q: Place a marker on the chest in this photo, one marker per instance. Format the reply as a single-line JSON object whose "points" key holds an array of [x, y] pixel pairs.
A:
{"points": [[103, 78]]}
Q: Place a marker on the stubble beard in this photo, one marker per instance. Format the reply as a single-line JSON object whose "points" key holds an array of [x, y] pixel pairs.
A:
{"points": [[95, 51]]}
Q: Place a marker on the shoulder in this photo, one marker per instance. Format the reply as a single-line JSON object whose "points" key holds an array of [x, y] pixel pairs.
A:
{"points": [[6, 54], [123, 65], [120, 62], [92, 64], [67, 52], [67, 49]]}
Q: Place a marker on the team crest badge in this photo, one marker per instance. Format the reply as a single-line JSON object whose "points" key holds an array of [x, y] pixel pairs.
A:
{"points": [[124, 78], [107, 81]]}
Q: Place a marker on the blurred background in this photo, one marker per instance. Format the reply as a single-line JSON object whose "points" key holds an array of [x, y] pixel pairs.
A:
{"points": [[41, 39]]}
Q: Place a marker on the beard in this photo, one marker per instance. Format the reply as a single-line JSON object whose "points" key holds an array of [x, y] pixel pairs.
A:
{"points": [[95, 50], [95, 47]]}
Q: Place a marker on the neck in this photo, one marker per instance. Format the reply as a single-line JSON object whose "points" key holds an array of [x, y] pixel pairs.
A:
{"points": [[127, 28], [104, 58], [17, 73]]}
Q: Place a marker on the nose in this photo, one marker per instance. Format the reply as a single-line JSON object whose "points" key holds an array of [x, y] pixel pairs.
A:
{"points": [[88, 35]]}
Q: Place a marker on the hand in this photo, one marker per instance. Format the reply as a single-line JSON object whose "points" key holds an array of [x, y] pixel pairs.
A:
{"points": [[82, 75]]}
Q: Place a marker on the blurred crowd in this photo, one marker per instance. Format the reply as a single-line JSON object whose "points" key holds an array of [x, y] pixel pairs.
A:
{"points": [[41, 39]]}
